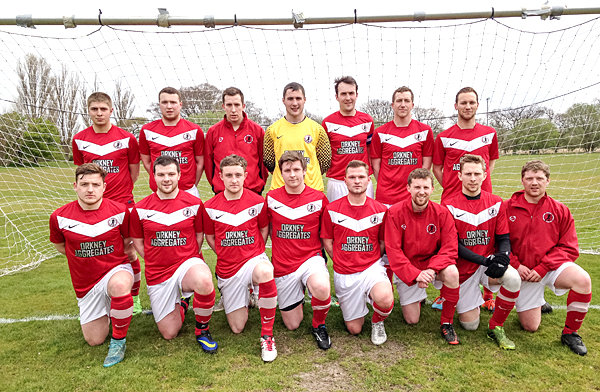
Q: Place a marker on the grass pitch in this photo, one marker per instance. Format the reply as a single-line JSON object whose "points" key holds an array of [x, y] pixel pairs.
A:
{"points": [[53, 356]]}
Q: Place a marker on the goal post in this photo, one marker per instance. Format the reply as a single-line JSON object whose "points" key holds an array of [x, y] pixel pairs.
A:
{"points": [[539, 89]]}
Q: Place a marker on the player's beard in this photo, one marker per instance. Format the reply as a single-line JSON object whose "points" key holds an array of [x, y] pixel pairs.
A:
{"points": [[420, 203], [467, 116], [167, 191]]}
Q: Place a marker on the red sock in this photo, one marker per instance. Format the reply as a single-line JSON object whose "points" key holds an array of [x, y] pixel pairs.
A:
{"points": [[183, 309], [137, 276], [203, 308], [320, 310], [390, 274], [505, 302], [379, 313], [577, 308], [449, 299], [121, 310], [267, 303], [487, 294]]}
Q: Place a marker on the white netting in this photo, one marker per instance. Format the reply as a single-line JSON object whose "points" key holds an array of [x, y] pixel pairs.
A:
{"points": [[541, 90]]}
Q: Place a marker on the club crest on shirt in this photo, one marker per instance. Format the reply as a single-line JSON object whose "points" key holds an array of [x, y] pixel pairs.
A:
{"points": [[252, 211], [485, 139], [311, 207], [187, 212], [418, 137], [403, 227], [374, 219], [512, 218], [187, 136], [492, 211], [248, 139], [117, 144], [113, 222], [364, 127], [431, 228], [548, 217], [308, 139], [220, 139]]}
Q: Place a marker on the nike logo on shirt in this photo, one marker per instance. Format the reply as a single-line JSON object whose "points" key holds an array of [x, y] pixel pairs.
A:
{"points": [[279, 137]]}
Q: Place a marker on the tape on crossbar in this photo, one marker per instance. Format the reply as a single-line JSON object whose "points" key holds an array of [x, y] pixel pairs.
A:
{"points": [[25, 21], [419, 16], [162, 20], [209, 21], [69, 22]]}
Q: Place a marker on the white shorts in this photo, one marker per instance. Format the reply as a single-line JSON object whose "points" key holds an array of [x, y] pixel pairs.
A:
{"points": [[234, 290], [193, 191], [336, 189], [164, 296], [532, 293], [353, 290], [409, 294], [470, 294], [96, 303], [290, 287]]}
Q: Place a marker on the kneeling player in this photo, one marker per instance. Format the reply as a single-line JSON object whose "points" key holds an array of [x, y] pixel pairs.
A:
{"points": [[167, 232], [544, 247], [352, 232], [420, 239], [93, 232], [295, 213], [483, 249], [236, 226]]}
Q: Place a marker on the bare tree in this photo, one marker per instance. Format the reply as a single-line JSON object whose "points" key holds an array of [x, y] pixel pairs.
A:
{"points": [[123, 105], [258, 115], [65, 90], [430, 116], [34, 86], [381, 110], [83, 96], [314, 116], [196, 100]]}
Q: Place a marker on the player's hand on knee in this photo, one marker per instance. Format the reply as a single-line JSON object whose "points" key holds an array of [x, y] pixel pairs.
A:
{"points": [[498, 266]]}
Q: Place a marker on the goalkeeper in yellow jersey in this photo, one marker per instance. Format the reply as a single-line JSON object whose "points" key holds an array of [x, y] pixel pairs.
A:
{"points": [[296, 132]]}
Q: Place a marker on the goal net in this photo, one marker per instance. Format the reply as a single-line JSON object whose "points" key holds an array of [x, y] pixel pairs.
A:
{"points": [[539, 89]]}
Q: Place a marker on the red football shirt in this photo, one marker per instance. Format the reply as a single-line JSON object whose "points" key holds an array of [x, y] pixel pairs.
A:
{"points": [[477, 222], [401, 150], [356, 232], [247, 142], [349, 137], [184, 141], [236, 226], [451, 144], [169, 229], [93, 240], [114, 151], [295, 224], [416, 241]]}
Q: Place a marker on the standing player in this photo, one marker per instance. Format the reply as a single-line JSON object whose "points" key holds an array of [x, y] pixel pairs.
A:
{"points": [[295, 212], [236, 224], [175, 137], [167, 231], [465, 137], [235, 134], [350, 133], [420, 239], [296, 132], [544, 246], [92, 232], [483, 249], [117, 152], [399, 147], [352, 233]]}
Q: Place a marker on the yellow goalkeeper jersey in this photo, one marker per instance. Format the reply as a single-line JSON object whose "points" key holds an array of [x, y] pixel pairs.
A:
{"points": [[307, 137]]}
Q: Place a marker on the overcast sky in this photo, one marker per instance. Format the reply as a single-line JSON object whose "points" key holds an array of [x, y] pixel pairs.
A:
{"points": [[507, 66]]}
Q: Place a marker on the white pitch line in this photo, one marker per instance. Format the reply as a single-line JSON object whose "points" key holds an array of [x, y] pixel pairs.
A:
{"points": [[62, 317]]}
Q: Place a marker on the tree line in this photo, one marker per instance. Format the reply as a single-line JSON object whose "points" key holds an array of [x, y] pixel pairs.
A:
{"points": [[51, 106]]}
